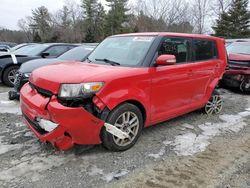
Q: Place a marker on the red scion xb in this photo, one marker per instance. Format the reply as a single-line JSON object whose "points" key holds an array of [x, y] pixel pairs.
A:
{"points": [[128, 82]]}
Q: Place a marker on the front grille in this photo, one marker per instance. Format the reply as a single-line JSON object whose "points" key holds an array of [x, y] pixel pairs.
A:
{"points": [[239, 63], [41, 91], [35, 125]]}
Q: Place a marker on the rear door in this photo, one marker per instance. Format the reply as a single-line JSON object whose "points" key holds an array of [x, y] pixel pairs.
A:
{"points": [[204, 64]]}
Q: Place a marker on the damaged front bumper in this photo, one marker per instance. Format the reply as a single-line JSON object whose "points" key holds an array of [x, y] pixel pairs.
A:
{"points": [[61, 126], [237, 77]]}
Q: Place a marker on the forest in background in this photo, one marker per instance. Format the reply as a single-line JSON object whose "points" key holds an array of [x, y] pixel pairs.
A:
{"points": [[91, 21]]}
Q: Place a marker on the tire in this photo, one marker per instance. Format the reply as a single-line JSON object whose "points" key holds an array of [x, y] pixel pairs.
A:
{"points": [[9, 75], [214, 105], [123, 112]]}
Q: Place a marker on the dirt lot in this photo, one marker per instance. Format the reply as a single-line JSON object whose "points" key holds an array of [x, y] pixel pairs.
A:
{"points": [[194, 150]]}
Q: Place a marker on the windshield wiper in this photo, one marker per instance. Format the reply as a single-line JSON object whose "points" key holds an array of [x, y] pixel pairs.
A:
{"points": [[113, 63], [89, 61]]}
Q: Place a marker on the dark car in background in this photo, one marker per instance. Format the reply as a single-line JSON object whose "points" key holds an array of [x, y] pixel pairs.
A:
{"points": [[77, 54], [237, 73], [10, 44], [10, 62], [4, 48], [20, 46]]}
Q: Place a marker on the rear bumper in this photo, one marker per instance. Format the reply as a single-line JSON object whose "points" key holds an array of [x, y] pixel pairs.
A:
{"points": [[75, 125]]}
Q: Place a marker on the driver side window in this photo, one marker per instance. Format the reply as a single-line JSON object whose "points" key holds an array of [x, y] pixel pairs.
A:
{"points": [[179, 47]]}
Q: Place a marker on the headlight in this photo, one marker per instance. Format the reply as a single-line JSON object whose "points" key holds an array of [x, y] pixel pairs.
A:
{"points": [[27, 75], [79, 90]]}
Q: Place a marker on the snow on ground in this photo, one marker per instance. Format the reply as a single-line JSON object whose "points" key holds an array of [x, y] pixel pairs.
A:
{"points": [[190, 143], [7, 106]]}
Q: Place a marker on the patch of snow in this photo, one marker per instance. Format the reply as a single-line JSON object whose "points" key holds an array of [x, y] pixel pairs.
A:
{"points": [[162, 150], [95, 171], [20, 124], [189, 143], [29, 134], [115, 175], [186, 125], [7, 147], [159, 154], [31, 168], [7, 106]]}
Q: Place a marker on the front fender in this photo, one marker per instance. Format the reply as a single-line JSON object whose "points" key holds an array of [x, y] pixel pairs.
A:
{"points": [[117, 97]]}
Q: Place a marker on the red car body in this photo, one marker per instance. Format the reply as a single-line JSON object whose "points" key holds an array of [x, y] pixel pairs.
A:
{"points": [[160, 92]]}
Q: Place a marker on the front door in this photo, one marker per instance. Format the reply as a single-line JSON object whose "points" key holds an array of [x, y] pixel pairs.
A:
{"points": [[172, 85]]}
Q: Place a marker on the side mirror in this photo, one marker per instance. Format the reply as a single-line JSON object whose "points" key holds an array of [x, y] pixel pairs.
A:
{"points": [[165, 60], [44, 54]]}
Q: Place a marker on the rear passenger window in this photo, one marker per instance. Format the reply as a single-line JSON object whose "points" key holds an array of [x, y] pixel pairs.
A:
{"points": [[179, 47], [204, 50]]}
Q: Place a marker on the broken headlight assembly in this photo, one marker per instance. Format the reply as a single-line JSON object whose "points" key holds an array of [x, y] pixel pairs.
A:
{"points": [[83, 90]]}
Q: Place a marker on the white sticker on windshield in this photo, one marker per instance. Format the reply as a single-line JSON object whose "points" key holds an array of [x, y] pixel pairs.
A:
{"points": [[143, 39]]}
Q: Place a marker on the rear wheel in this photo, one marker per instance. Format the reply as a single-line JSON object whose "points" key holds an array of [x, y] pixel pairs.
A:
{"points": [[9, 75], [214, 105], [128, 118]]}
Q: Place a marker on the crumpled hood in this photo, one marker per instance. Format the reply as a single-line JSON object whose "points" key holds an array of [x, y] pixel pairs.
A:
{"points": [[239, 57], [52, 76]]}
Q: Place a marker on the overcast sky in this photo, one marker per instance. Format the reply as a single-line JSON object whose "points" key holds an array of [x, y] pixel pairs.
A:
{"points": [[13, 10]]}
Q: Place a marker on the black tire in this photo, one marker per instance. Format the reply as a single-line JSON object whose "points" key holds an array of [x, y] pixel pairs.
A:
{"points": [[108, 140], [6, 73]]}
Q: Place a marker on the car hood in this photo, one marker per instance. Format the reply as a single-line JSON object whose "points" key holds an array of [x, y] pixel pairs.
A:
{"points": [[52, 76], [29, 66], [239, 57]]}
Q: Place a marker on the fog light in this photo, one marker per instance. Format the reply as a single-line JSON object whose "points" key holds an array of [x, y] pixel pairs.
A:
{"points": [[46, 124]]}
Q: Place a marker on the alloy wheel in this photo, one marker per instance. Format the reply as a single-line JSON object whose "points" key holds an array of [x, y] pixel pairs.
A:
{"points": [[214, 105], [12, 76], [129, 123]]}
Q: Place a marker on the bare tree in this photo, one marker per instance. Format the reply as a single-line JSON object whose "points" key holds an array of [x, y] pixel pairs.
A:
{"points": [[169, 13], [220, 6], [201, 11], [23, 24]]}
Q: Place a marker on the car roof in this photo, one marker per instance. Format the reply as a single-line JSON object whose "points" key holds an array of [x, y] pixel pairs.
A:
{"points": [[171, 34], [55, 44], [242, 42]]}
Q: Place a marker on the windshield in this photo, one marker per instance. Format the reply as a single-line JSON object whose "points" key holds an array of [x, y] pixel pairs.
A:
{"points": [[77, 54], [123, 50], [31, 50], [239, 48]]}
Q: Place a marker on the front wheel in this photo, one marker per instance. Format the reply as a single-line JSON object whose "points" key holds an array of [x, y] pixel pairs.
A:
{"points": [[128, 118], [214, 105], [9, 75]]}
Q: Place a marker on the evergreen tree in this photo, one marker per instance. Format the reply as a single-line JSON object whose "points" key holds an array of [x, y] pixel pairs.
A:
{"points": [[117, 17], [99, 23], [41, 18], [94, 15], [222, 26], [234, 23]]}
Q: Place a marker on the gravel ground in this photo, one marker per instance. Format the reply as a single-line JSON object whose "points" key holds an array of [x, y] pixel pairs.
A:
{"points": [[194, 150]]}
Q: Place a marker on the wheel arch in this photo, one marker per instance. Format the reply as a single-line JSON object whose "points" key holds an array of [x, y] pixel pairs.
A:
{"points": [[138, 104]]}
